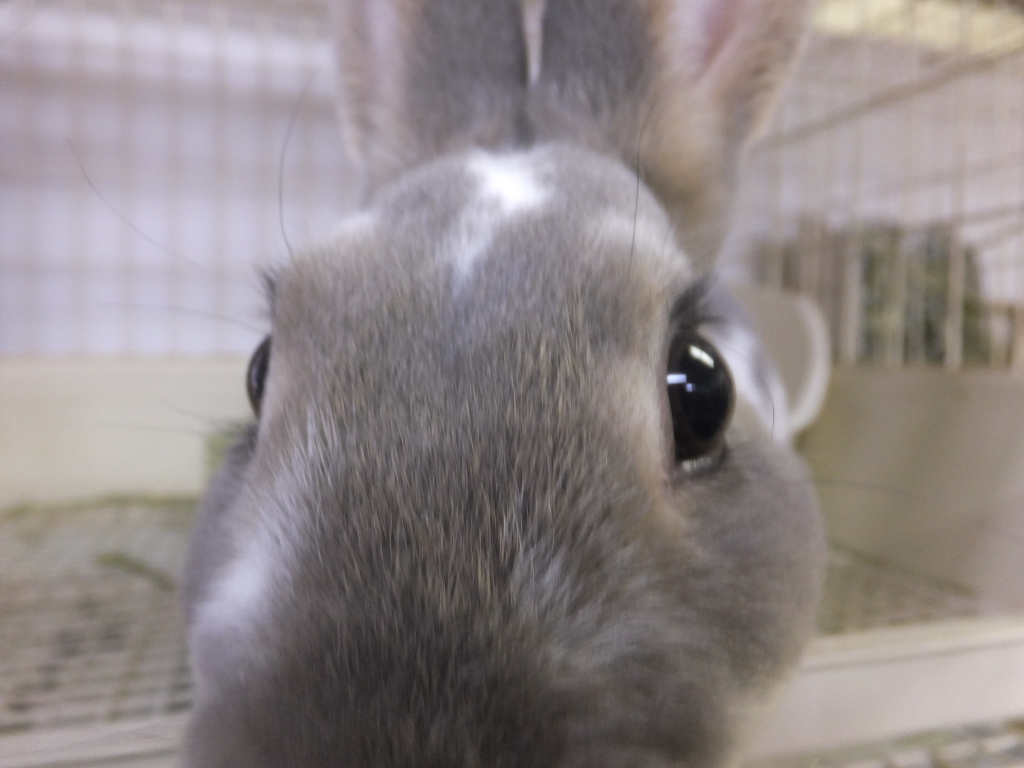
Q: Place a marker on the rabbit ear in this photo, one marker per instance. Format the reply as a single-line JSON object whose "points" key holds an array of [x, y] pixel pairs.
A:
{"points": [[742, 52], [676, 86], [419, 78]]}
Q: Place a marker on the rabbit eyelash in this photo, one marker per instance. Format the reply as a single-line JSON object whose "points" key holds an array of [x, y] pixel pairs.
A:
{"points": [[691, 309]]}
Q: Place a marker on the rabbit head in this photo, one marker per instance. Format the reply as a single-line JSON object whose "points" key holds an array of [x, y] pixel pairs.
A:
{"points": [[502, 504]]}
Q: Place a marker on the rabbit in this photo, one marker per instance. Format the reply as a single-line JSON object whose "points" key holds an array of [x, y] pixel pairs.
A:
{"points": [[502, 502]]}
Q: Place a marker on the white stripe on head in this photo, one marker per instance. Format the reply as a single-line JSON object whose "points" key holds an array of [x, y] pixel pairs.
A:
{"points": [[509, 180], [507, 185]]}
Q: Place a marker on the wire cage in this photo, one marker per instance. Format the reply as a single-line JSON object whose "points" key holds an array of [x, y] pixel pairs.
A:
{"points": [[149, 166], [891, 186], [156, 154]]}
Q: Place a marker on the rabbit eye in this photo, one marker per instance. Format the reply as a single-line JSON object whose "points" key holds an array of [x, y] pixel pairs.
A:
{"points": [[700, 396], [256, 374]]}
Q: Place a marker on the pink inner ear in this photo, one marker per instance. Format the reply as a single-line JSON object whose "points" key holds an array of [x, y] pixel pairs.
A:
{"points": [[717, 20]]}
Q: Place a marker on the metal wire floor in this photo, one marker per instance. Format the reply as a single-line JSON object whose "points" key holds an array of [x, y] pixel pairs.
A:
{"points": [[864, 593], [984, 746], [91, 630]]}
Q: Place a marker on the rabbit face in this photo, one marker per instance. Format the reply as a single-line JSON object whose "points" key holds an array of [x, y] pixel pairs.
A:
{"points": [[480, 520], [459, 534]]}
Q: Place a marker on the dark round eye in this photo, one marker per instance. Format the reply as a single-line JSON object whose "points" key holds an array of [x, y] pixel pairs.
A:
{"points": [[256, 375], [700, 395]]}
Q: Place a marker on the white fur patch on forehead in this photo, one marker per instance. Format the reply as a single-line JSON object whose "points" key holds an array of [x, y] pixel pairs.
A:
{"points": [[507, 186], [511, 181]]}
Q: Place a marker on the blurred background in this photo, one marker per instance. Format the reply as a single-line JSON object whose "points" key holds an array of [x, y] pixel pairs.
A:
{"points": [[155, 155], [148, 168]]}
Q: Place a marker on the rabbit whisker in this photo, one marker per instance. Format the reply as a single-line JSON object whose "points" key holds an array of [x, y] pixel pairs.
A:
{"points": [[760, 380], [209, 423], [639, 176], [150, 429], [185, 311], [892, 491], [124, 219], [280, 165]]}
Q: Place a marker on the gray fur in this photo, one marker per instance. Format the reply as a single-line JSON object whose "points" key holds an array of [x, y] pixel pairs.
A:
{"points": [[450, 76], [457, 536], [674, 87]]}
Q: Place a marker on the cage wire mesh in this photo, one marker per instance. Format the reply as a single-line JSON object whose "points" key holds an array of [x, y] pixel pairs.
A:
{"points": [[156, 153], [977, 746], [148, 168], [90, 626], [91, 631], [891, 186]]}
